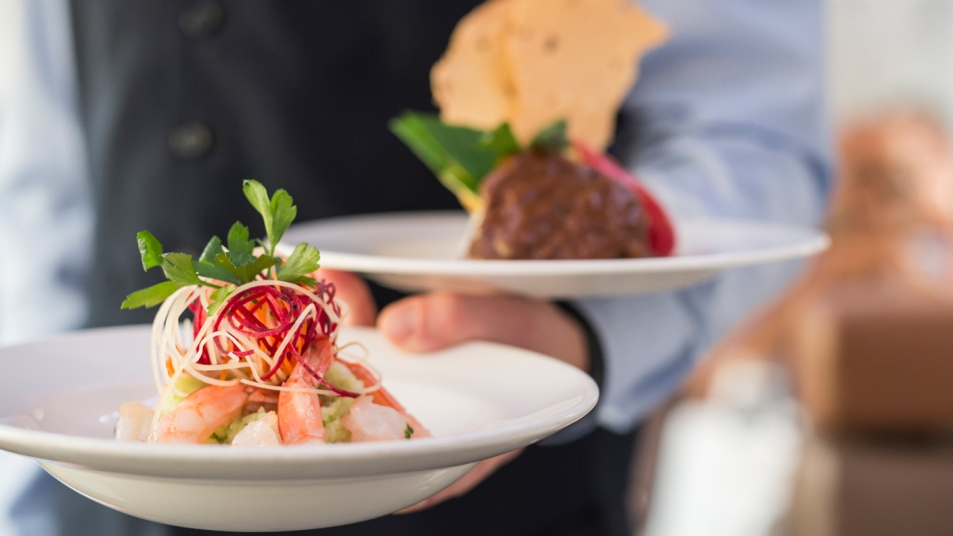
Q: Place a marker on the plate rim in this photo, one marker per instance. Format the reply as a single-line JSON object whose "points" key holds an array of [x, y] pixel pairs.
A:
{"points": [[815, 242], [304, 462]]}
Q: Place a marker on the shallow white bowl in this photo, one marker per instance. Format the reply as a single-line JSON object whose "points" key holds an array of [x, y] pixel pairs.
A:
{"points": [[59, 404], [422, 251]]}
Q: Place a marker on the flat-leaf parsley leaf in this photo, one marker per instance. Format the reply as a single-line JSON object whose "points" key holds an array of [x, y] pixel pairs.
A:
{"points": [[226, 269]]}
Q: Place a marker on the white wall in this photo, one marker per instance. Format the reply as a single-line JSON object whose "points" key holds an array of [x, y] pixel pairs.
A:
{"points": [[885, 53], [9, 35]]}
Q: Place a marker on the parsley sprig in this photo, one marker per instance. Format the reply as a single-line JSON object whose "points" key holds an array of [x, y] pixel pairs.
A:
{"points": [[227, 269]]}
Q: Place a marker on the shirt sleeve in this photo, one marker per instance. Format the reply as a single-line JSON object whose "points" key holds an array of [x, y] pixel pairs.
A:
{"points": [[45, 210], [726, 121]]}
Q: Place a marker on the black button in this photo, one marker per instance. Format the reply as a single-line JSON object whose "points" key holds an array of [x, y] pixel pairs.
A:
{"points": [[203, 19], [192, 140]]}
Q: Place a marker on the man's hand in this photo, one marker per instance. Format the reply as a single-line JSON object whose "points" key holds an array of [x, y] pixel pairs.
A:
{"points": [[434, 321]]}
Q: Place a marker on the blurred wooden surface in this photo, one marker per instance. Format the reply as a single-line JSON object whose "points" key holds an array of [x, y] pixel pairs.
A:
{"points": [[875, 306], [858, 488], [876, 357]]}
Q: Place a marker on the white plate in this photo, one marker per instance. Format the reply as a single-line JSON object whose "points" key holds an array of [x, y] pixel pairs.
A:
{"points": [[59, 405], [420, 251]]}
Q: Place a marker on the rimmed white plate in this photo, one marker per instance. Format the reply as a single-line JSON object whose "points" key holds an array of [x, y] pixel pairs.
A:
{"points": [[421, 251], [59, 406]]}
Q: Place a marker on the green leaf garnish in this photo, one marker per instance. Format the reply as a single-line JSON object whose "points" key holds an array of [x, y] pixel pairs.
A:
{"points": [[260, 265], [283, 212], [213, 248], [213, 270], [178, 267], [501, 141], [447, 150], [408, 432], [459, 156], [235, 266], [152, 296], [218, 298], [240, 247], [257, 195], [552, 138], [277, 212], [302, 261], [462, 157], [150, 249], [247, 272]]}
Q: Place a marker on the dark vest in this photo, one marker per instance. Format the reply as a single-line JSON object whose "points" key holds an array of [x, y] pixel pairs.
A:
{"points": [[181, 101]]}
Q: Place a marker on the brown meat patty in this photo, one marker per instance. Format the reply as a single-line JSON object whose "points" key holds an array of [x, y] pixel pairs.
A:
{"points": [[540, 205]]}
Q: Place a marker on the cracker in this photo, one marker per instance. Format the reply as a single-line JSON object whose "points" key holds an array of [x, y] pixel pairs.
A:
{"points": [[533, 62], [471, 83], [575, 60]]}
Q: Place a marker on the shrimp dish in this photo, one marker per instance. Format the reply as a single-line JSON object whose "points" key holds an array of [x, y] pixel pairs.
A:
{"points": [[245, 350]]}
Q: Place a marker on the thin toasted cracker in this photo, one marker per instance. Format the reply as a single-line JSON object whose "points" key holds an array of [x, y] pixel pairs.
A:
{"points": [[471, 83], [533, 62], [575, 60]]}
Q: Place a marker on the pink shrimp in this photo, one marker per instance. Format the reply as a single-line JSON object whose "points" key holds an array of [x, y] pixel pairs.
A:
{"points": [[368, 421], [200, 414], [299, 413], [260, 398]]}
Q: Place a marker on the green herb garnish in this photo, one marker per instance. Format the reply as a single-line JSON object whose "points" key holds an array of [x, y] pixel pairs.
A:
{"points": [[226, 270], [302, 261], [277, 212], [408, 432], [462, 157], [552, 138]]}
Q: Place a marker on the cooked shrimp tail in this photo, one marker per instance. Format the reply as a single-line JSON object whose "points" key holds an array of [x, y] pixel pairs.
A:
{"points": [[299, 413], [200, 414], [381, 397]]}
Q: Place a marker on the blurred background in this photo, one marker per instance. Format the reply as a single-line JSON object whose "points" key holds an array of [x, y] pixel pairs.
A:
{"points": [[828, 412], [9, 15]]}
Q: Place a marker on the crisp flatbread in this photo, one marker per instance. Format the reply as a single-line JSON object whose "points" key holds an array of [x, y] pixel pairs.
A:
{"points": [[575, 60], [533, 62], [471, 83]]}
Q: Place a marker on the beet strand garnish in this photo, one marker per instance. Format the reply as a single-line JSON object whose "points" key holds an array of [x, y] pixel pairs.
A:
{"points": [[324, 382]]}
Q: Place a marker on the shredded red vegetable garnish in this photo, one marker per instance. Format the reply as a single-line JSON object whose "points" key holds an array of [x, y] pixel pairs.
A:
{"points": [[267, 315]]}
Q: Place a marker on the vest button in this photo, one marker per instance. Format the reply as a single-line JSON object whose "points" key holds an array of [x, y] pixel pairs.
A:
{"points": [[203, 19], [191, 141]]}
